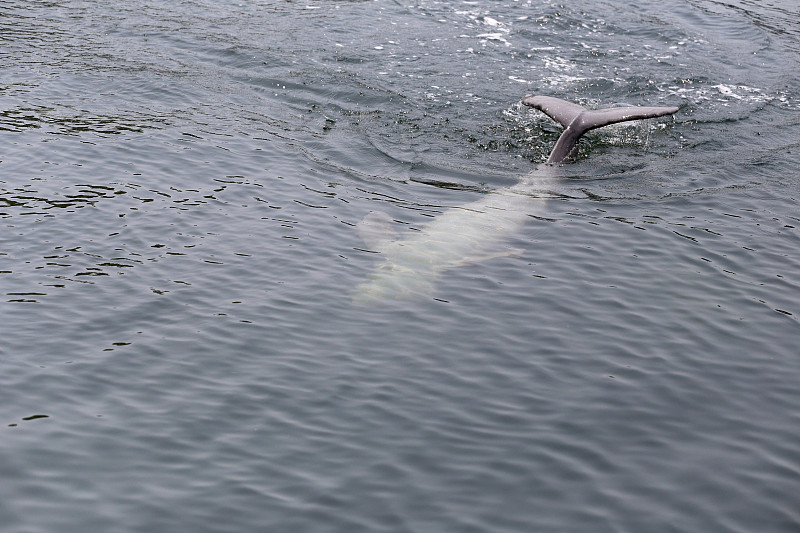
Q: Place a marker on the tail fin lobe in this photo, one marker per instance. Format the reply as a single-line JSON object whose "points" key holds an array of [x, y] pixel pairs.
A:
{"points": [[559, 110], [612, 115]]}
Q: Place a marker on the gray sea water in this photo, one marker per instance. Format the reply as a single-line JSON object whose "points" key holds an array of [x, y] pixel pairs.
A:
{"points": [[184, 341]]}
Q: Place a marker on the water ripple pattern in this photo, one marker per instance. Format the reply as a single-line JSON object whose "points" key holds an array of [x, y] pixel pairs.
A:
{"points": [[194, 196]]}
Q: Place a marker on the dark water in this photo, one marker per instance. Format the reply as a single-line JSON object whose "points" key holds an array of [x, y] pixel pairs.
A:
{"points": [[181, 349]]}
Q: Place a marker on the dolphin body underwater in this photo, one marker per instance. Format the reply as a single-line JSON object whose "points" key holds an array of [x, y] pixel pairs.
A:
{"points": [[469, 233]]}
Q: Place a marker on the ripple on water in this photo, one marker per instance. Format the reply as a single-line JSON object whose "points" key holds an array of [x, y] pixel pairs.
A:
{"points": [[180, 193]]}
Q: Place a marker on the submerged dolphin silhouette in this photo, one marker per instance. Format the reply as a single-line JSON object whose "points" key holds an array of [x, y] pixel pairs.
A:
{"points": [[469, 233]]}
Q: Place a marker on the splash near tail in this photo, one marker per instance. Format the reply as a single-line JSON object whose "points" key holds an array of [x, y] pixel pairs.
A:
{"points": [[577, 120]]}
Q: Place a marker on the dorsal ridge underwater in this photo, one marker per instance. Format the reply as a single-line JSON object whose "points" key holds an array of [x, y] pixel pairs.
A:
{"points": [[577, 120]]}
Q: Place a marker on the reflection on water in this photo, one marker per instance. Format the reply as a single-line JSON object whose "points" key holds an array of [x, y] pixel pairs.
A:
{"points": [[182, 190], [68, 121]]}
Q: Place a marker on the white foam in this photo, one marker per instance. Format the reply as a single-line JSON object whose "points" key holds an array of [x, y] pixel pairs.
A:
{"points": [[492, 37], [723, 93]]}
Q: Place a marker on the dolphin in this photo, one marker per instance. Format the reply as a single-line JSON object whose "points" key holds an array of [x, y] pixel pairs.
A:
{"points": [[470, 233]]}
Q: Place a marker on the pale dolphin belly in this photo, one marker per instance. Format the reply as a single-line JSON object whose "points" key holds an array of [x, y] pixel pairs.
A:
{"points": [[462, 235]]}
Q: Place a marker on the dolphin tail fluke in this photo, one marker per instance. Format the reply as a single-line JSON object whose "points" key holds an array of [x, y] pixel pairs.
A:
{"points": [[577, 120]]}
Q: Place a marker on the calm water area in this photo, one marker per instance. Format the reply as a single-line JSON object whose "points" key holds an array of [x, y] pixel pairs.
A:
{"points": [[281, 266]]}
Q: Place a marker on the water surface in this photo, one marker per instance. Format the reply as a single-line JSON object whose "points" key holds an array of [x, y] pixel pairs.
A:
{"points": [[181, 185]]}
